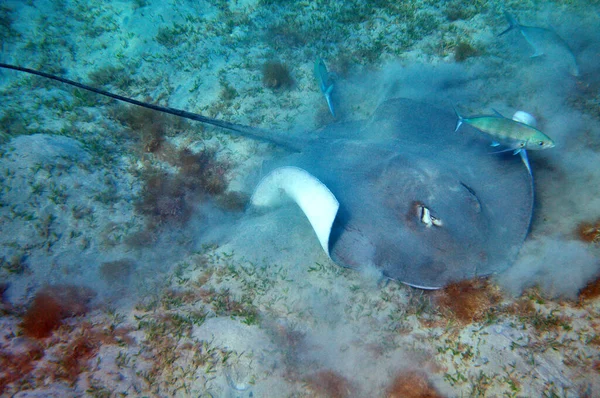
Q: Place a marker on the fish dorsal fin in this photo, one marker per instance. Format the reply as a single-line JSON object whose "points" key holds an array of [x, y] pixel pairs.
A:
{"points": [[497, 113], [312, 196]]}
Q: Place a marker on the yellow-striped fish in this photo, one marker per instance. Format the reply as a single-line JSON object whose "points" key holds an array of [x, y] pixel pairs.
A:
{"points": [[509, 133]]}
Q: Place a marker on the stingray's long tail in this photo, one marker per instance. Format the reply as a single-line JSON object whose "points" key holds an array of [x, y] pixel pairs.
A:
{"points": [[246, 131]]}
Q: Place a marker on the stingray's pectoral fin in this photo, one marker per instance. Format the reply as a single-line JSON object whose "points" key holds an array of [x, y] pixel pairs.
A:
{"points": [[316, 201]]}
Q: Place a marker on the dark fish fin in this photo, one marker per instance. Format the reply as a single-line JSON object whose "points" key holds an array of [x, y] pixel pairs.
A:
{"points": [[513, 24], [245, 131], [497, 113]]}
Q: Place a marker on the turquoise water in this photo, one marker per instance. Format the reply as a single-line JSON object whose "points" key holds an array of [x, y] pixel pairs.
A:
{"points": [[131, 263]]}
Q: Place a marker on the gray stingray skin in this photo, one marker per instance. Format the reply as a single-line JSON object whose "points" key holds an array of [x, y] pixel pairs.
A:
{"points": [[408, 153]]}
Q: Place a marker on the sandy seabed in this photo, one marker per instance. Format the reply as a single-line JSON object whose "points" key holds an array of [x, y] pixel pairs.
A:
{"points": [[129, 267]]}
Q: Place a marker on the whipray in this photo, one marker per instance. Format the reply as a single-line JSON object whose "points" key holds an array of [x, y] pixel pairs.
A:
{"points": [[400, 192]]}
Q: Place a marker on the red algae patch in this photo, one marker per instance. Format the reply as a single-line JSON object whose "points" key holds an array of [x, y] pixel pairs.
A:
{"points": [[590, 291], [51, 305], [74, 349], [522, 307], [468, 301], [328, 384], [27, 364], [75, 355], [412, 384], [43, 317], [18, 360], [589, 232]]}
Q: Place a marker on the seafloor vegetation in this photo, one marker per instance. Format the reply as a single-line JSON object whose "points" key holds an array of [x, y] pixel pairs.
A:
{"points": [[108, 287]]}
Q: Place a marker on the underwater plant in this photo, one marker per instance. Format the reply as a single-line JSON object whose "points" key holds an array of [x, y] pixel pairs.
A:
{"points": [[201, 172], [522, 308], [12, 124], [327, 383], [117, 271], [170, 197], [43, 316], [51, 305], [16, 264], [76, 354], [276, 75], [172, 350], [589, 231], [27, 363], [232, 201], [163, 198], [116, 76], [228, 92], [457, 10], [283, 36], [590, 291], [146, 127], [411, 384], [71, 349], [464, 50], [224, 304], [468, 301], [15, 365]]}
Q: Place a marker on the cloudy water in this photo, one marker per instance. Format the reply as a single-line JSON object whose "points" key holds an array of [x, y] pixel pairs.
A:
{"points": [[285, 252]]}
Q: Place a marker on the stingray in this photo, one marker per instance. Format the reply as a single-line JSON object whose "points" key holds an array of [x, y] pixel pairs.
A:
{"points": [[401, 191]]}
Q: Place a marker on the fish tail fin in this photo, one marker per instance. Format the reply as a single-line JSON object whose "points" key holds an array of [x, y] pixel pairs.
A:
{"points": [[459, 119], [512, 22], [330, 101]]}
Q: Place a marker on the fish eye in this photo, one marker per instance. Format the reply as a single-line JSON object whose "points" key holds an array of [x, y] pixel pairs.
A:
{"points": [[541, 143]]}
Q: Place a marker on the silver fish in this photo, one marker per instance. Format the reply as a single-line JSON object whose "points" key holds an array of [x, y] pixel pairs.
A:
{"points": [[510, 133], [325, 83], [545, 41]]}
